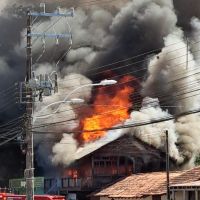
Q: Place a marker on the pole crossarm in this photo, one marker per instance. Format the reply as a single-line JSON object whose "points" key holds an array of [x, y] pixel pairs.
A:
{"points": [[50, 35], [54, 14]]}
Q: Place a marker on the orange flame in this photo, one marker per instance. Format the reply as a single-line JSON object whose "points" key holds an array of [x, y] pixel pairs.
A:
{"points": [[110, 108]]}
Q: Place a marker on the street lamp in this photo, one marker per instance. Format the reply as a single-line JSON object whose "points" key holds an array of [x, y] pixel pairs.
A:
{"points": [[65, 100], [71, 101], [108, 82]]}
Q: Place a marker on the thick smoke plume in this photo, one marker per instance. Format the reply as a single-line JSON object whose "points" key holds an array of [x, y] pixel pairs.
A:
{"points": [[103, 34], [164, 71]]}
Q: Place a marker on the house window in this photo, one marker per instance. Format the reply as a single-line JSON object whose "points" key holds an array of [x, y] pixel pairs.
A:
{"points": [[64, 182], [190, 195], [48, 183], [105, 165], [156, 197]]}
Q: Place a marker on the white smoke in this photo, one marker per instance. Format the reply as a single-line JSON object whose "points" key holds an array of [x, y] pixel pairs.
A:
{"points": [[3, 5], [66, 113], [172, 63], [67, 150], [195, 42], [172, 76], [154, 134], [102, 35], [175, 82], [188, 135]]}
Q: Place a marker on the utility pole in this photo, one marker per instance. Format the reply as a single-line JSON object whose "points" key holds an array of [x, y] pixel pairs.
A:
{"points": [[29, 171], [167, 164]]}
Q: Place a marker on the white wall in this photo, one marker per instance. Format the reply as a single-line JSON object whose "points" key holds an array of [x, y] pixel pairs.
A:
{"points": [[179, 195], [147, 198]]}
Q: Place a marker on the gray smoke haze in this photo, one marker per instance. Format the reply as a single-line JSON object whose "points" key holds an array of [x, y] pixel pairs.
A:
{"points": [[185, 11], [103, 34], [144, 21], [170, 65]]}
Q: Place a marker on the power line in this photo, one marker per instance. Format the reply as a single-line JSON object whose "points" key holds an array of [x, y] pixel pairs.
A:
{"points": [[9, 89], [10, 122], [135, 71], [163, 97], [10, 139], [64, 121], [149, 122], [124, 60]]}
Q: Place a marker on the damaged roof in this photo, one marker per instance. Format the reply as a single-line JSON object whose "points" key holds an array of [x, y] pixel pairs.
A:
{"points": [[131, 144]]}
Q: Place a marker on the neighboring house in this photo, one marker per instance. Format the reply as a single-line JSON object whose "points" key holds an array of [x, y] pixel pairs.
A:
{"points": [[184, 185], [186, 191], [147, 186]]}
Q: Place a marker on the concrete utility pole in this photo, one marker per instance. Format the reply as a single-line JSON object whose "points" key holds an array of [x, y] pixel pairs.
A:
{"points": [[167, 164], [29, 171]]}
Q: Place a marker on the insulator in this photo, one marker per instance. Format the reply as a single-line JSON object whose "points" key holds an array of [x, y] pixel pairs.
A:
{"points": [[57, 41], [46, 77], [70, 41], [56, 84], [33, 74], [41, 77], [40, 96], [43, 41]]}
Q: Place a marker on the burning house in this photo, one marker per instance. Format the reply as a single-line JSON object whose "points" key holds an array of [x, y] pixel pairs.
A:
{"points": [[94, 168], [122, 157]]}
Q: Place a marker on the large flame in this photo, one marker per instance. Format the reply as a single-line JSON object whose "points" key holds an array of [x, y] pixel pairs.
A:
{"points": [[111, 107]]}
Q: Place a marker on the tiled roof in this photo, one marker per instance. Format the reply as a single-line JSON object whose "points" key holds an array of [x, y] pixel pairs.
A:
{"points": [[188, 176], [189, 184], [141, 185], [138, 185]]}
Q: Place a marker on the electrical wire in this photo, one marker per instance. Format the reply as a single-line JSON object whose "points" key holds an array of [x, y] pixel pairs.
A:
{"points": [[100, 115], [11, 121], [95, 2], [169, 82], [10, 139], [60, 122], [138, 124], [10, 133], [9, 89], [12, 126], [62, 56], [133, 57], [138, 70], [163, 97]]}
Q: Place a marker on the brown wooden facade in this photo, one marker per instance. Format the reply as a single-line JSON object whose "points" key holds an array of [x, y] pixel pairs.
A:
{"points": [[117, 159]]}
